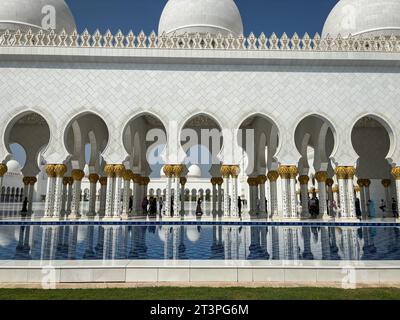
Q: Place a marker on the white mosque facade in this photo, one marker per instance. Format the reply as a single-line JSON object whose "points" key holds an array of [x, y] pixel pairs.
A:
{"points": [[287, 116]]}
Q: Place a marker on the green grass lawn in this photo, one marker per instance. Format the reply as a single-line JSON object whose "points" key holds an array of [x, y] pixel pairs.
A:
{"points": [[166, 293]]}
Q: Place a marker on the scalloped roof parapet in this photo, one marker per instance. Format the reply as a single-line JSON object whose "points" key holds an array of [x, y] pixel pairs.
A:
{"points": [[198, 41]]}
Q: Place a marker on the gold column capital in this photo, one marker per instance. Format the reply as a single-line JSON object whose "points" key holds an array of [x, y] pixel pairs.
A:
{"points": [[273, 176], [26, 180], [103, 181], [128, 175], [119, 170], [288, 172], [94, 178], [225, 171], [169, 170], [3, 169], [109, 171], [335, 189], [396, 173], [343, 172], [304, 179], [183, 181], [253, 182], [77, 175], [357, 189], [321, 176], [329, 182], [219, 181], [60, 170], [51, 170], [386, 183], [262, 179], [178, 170], [235, 170]]}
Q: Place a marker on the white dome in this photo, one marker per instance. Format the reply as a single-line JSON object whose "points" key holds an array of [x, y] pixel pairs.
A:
{"points": [[192, 233], [203, 16], [13, 166], [194, 171], [25, 14], [365, 17]]}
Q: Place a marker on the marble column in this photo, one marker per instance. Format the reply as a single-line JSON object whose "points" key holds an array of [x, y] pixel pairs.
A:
{"points": [[235, 170], [183, 182], [109, 170], [214, 195], [3, 171], [226, 173], [64, 195], [273, 189], [25, 181], [32, 182], [169, 173], [77, 175], [321, 177], [262, 179], [119, 171], [49, 202], [135, 193], [220, 181], [128, 175], [143, 187], [329, 185], [60, 170], [304, 195], [178, 169], [293, 197], [93, 179], [253, 188], [351, 171], [69, 195], [396, 174], [284, 172], [103, 196], [386, 185], [363, 202], [341, 174]]}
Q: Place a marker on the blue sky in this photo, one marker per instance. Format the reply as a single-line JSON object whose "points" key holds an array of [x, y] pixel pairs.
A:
{"points": [[258, 15]]}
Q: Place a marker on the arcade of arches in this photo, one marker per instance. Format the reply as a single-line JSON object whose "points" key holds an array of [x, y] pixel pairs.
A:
{"points": [[269, 187]]}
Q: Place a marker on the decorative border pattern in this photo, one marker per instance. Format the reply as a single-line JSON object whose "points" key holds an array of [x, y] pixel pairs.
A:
{"points": [[208, 41]]}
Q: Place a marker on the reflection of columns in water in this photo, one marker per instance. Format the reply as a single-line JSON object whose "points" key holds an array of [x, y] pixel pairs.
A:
{"points": [[49, 242], [351, 249], [138, 245], [89, 252], [226, 239], [333, 247], [275, 243], [182, 248], [369, 246], [100, 242], [217, 248], [291, 246], [72, 242], [22, 251], [307, 253], [175, 242], [325, 250], [108, 243]]}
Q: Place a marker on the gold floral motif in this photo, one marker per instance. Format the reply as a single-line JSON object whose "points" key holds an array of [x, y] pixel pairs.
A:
{"points": [[386, 183], [128, 175], [253, 182], [32, 181], [3, 170], [94, 178], [341, 172], [273, 176], [235, 170], [183, 181], [225, 171], [169, 170], [109, 170], [262, 179], [60, 170], [321, 176], [103, 181], [329, 182], [26, 180], [396, 173], [119, 170], [304, 179], [178, 169], [77, 175], [50, 170]]}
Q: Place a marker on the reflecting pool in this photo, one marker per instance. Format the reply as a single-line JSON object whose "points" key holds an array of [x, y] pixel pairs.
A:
{"points": [[198, 242]]}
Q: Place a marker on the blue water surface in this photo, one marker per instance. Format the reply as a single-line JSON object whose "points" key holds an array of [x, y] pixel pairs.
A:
{"points": [[198, 242]]}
